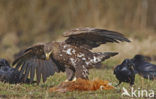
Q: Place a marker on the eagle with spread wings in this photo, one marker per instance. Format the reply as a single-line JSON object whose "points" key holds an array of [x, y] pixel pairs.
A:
{"points": [[72, 56]]}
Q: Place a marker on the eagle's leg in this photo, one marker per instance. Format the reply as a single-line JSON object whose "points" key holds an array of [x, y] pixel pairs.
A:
{"points": [[81, 72], [70, 73]]}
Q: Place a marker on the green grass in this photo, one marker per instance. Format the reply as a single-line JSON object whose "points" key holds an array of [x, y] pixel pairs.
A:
{"points": [[41, 91]]}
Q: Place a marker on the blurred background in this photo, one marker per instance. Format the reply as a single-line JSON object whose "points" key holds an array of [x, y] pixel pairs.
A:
{"points": [[26, 22]]}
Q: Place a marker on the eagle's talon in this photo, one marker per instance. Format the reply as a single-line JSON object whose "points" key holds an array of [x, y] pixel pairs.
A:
{"points": [[66, 80], [74, 79]]}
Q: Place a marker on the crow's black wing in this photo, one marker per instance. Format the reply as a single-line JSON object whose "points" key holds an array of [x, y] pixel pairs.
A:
{"points": [[147, 70]]}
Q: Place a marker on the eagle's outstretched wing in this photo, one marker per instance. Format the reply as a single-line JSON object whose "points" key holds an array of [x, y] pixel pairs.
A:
{"points": [[33, 59], [92, 37]]}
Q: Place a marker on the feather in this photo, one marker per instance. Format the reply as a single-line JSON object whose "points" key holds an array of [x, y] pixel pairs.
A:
{"points": [[92, 37], [27, 71], [22, 70], [38, 72], [32, 70]]}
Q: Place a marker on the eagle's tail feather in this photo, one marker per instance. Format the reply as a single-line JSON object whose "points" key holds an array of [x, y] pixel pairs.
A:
{"points": [[107, 55], [104, 56]]}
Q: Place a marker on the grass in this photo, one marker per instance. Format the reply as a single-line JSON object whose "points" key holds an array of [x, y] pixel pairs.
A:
{"points": [[27, 91], [23, 23], [127, 50]]}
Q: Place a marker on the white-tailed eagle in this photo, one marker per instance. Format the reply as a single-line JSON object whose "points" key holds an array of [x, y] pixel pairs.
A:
{"points": [[72, 55]]}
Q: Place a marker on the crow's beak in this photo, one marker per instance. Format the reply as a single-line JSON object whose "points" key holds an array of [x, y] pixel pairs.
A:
{"points": [[132, 67], [47, 56]]}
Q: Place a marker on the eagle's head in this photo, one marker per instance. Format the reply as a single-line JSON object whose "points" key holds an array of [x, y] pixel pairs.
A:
{"points": [[48, 50]]}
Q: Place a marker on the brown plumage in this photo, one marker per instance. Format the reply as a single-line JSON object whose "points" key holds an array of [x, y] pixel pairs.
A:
{"points": [[72, 56]]}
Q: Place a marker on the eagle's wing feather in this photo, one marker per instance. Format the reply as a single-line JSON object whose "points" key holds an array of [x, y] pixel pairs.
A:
{"points": [[32, 71], [92, 37], [31, 61]]}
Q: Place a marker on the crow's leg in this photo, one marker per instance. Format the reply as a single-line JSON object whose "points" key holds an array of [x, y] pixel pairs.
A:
{"points": [[132, 83], [132, 80]]}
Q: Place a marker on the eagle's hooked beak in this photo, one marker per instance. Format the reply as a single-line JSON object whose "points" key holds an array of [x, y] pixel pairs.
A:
{"points": [[48, 55]]}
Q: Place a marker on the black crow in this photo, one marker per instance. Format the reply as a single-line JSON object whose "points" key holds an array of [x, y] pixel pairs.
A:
{"points": [[125, 72], [9, 74], [143, 67]]}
